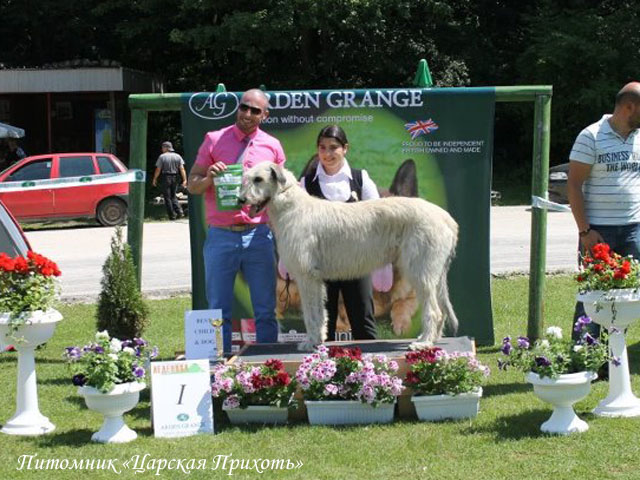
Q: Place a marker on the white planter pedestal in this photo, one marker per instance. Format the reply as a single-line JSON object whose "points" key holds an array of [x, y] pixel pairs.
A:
{"points": [[442, 407], [39, 328], [562, 393], [261, 414], [615, 310], [113, 405]]}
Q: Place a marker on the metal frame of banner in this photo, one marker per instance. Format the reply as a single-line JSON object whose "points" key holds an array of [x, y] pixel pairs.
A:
{"points": [[540, 95]]}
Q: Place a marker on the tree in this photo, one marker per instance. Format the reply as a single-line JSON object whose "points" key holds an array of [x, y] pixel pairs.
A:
{"points": [[121, 309]]}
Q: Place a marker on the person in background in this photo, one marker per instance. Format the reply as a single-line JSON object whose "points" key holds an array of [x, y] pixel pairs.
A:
{"points": [[14, 152], [171, 166], [336, 181], [604, 180], [237, 242]]}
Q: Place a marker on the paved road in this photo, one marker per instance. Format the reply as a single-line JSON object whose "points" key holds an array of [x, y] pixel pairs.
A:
{"points": [[166, 266]]}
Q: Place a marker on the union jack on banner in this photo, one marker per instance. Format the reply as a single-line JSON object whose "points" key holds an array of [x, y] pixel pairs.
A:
{"points": [[420, 127]]}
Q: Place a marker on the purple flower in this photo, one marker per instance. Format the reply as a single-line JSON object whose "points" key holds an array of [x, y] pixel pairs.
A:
{"points": [[73, 353], [506, 345], [140, 342], [542, 362], [589, 340], [616, 361], [98, 349], [138, 371], [79, 380], [523, 342], [581, 323]]}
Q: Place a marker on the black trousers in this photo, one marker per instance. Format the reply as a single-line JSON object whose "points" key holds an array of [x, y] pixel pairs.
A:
{"points": [[169, 188], [358, 300]]}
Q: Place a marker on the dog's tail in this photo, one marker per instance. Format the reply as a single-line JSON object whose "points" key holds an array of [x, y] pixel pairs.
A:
{"points": [[443, 295]]}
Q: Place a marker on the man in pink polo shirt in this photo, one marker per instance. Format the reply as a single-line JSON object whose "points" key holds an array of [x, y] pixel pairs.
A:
{"points": [[235, 241]]}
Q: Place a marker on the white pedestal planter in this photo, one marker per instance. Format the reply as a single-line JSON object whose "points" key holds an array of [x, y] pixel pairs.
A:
{"points": [[441, 407], [562, 393], [347, 412], [39, 328], [615, 310], [113, 405], [262, 414]]}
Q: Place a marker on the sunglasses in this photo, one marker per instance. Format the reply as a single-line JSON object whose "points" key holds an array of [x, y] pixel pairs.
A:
{"points": [[246, 108]]}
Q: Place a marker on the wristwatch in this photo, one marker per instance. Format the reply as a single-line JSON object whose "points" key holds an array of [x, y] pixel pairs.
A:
{"points": [[584, 232]]}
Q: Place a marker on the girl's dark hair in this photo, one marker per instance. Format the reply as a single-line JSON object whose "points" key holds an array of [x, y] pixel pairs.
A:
{"points": [[333, 131]]}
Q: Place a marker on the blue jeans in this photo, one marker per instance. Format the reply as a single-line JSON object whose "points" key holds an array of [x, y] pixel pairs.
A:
{"points": [[623, 239], [252, 252]]}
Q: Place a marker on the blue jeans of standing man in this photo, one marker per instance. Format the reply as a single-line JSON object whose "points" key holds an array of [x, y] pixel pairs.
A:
{"points": [[251, 252], [623, 239]]}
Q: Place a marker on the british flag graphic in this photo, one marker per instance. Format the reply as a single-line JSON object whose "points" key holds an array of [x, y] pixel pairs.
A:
{"points": [[420, 127]]}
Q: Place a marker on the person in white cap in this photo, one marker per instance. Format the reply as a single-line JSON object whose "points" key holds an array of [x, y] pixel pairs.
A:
{"points": [[170, 165]]}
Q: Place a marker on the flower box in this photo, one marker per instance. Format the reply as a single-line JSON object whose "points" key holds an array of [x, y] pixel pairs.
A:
{"points": [[347, 412], [261, 414], [442, 407]]}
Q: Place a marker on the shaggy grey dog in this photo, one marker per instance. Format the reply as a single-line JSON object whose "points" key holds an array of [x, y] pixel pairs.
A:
{"points": [[319, 240]]}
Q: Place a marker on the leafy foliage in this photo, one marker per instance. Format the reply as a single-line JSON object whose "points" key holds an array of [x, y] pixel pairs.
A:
{"points": [[432, 371], [338, 373], [241, 385], [27, 284], [606, 270], [108, 362], [121, 308], [552, 356]]}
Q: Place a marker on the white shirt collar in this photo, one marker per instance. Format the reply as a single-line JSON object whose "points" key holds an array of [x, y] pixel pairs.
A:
{"points": [[345, 171]]}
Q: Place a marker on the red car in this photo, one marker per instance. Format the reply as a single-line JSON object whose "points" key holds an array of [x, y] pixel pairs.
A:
{"points": [[106, 202]]}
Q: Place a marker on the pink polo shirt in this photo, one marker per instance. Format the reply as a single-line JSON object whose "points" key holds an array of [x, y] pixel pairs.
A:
{"points": [[225, 145]]}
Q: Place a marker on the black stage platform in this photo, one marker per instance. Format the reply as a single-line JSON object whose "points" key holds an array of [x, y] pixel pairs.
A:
{"points": [[288, 352]]}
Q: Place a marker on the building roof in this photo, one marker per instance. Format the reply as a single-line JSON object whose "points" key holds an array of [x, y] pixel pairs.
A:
{"points": [[92, 79]]}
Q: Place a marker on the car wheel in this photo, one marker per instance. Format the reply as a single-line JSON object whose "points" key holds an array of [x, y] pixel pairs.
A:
{"points": [[111, 212]]}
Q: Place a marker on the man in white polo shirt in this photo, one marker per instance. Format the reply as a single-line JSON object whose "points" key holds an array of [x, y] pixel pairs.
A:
{"points": [[604, 178]]}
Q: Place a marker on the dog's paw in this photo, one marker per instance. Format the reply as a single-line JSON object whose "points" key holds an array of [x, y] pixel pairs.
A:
{"points": [[306, 346], [419, 345]]}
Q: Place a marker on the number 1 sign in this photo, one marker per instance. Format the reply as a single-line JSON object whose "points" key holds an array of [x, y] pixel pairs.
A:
{"points": [[181, 398]]}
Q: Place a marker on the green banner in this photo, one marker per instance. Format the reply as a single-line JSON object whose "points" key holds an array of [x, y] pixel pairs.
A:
{"points": [[447, 132]]}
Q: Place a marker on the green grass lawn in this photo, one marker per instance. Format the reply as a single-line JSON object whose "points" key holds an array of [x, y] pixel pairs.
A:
{"points": [[504, 442]]}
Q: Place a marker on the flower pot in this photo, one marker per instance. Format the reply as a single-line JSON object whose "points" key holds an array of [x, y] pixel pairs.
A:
{"points": [[347, 412], [39, 328], [618, 307], [113, 405], [440, 407], [262, 414], [615, 310], [562, 393]]}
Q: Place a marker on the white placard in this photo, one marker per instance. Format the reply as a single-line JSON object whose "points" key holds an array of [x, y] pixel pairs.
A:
{"points": [[200, 334], [181, 398]]}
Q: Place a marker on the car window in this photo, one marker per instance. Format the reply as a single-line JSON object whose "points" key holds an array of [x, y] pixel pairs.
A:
{"points": [[105, 165], [76, 166], [37, 170], [11, 240]]}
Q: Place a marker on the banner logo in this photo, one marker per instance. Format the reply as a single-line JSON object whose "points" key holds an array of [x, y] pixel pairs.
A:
{"points": [[420, 127], [213, 106]]}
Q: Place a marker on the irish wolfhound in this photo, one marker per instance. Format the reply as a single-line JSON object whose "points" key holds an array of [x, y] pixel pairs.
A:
{"points": [[320, 240]]}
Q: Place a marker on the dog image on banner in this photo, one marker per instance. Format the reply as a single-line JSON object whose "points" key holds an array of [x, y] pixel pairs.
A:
{"points": [[319, 240]]}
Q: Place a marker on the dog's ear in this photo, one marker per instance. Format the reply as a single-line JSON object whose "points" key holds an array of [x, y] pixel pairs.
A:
{"points": [[405, 182], [277, 174]]}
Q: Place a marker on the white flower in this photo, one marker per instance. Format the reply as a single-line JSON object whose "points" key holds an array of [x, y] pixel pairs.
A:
{"points": [[103, 335], [554, 332], [113, 357], [129, 350], [577, 348], [544, 343], [115, 345]]}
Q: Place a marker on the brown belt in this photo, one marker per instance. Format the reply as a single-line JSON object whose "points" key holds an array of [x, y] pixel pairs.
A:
{"points": [[244, 227]]}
